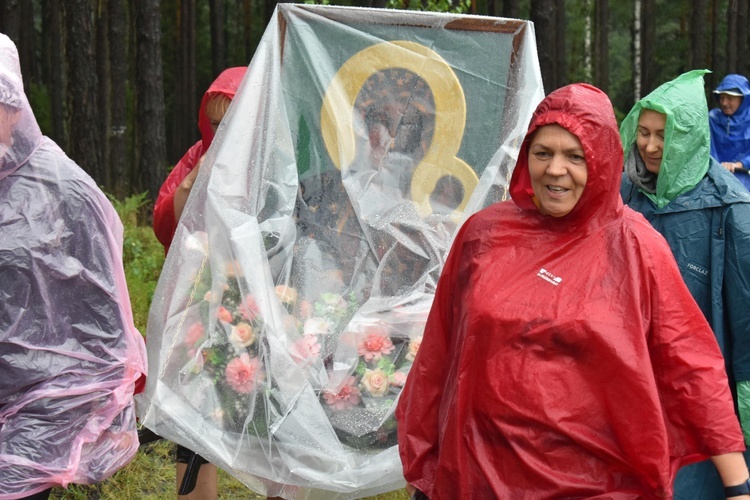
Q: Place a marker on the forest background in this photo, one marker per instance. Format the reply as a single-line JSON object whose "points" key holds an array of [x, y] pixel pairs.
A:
{"points": [[117, 84]]}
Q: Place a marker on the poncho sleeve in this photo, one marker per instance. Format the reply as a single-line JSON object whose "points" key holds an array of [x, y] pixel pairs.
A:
{"points": [[165, 223], [418, 407], [688, 367]]}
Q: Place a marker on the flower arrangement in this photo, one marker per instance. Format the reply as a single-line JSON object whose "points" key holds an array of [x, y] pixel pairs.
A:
{"points": [[320, 322], [225, 354], [225, 347], [361, 409]]}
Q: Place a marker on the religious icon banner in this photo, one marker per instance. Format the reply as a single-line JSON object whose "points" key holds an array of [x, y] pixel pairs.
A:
{"points": [[294, 296]]}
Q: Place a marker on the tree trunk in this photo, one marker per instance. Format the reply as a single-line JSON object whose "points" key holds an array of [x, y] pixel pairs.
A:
{"points": [[510, 9], [52, 21], [218, 37], [185, 115], [118, 53], [561, 66], [716, 58], [151, 142], [587, 45], [732, 35], [543, 16], [247, 25], [83, 121], [27, 45], [742, 35], [698, 43], [103, 91], [601, 27], [648, 42], [637, 6]]}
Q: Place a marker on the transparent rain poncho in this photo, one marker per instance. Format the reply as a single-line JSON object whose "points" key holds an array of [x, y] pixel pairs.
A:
{"points": [[295, 293], [69, 352]]}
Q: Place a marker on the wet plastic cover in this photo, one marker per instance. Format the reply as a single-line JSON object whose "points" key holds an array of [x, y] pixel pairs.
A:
{"points": [[69, 352], [295, 293]]}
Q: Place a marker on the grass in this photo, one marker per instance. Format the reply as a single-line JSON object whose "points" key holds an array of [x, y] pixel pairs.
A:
{"points": [[151, 474]]}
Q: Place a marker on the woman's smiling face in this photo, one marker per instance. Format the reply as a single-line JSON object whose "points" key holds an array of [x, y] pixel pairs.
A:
{"points": [[557, 168], [650, 138]]}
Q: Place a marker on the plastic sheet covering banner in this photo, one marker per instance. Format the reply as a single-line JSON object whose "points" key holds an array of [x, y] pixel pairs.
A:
{"points": [[294, 296]]}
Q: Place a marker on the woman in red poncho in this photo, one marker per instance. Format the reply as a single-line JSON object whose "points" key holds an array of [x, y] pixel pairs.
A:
{"points": [[169, 205], [563, 356], [175, 190]]}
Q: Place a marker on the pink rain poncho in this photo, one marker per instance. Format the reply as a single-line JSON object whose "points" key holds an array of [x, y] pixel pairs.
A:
{"points": [[295, 292], [69, 352]]}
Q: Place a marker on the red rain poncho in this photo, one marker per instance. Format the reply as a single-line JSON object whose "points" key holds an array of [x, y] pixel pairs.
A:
{"points": [[164, 220], [69, 352], [563, 357]]}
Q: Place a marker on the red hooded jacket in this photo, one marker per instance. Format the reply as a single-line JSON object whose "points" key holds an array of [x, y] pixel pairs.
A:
{"points": [[563, 357], [164, 220]]}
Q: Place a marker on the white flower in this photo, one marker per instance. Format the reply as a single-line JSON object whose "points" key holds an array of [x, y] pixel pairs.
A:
{"points": [[317, 326]]}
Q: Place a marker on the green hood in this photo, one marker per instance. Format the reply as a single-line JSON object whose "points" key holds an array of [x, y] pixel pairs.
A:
{"points": [[686, 155]]}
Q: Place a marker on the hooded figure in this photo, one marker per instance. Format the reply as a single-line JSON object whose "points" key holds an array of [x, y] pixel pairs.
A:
{"points": [[563, 356], [165, 219], [69, 352], [704, 214], [730, 134]]}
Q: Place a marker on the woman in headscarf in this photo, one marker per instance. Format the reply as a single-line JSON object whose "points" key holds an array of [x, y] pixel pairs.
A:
{"points": [[69, 352], [563, 356], [704, 214], [176, 188]]}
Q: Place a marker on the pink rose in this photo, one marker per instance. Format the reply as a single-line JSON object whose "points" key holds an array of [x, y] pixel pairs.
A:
{"points": [[243, 334], [248, 309], [398, 379], [244, 373], [413, 348], [305, 348], [375, 382], [347, 398], [194, 334], [374, 346], [224, 314]]}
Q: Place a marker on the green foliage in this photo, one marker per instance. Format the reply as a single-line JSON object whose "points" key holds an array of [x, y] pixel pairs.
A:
{"points": [[142, 256], [40, 102], [453, 6]]}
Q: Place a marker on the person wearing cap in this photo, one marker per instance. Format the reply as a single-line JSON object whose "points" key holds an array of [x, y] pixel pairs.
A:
{"points": [[730, 126], [704, 214], [70, 353]]}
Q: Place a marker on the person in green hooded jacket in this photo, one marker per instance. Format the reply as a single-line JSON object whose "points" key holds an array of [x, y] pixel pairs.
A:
{"points": [[704, 214]]}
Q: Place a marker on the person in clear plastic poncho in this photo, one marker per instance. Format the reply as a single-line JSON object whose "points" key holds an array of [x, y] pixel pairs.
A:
{"points": [[69, 352], [704, 214]]}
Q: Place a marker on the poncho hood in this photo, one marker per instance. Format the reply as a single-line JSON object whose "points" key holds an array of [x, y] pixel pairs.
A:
{"points": [[686, 154], [226, 84], [26, 135], [731, 83], [595, 126]]}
